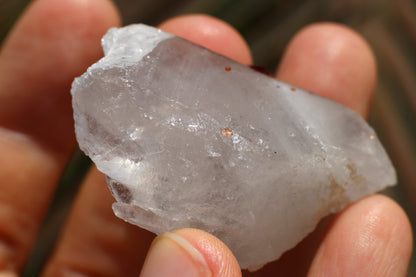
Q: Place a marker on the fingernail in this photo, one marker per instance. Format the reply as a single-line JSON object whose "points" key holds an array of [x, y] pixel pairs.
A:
{"points": [[173, 255]]}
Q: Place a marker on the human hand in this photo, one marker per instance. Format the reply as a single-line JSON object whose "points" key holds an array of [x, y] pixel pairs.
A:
{"points": [[57, 40]]}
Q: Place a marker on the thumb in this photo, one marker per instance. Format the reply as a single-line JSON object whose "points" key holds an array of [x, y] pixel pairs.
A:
{"points": [[189, 252]]}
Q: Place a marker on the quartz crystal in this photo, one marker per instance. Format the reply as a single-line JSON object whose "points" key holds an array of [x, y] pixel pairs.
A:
{"points": [[189, 138]]}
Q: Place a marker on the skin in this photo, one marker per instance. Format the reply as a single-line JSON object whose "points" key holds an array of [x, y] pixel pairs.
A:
{"points": [[56, 40]]}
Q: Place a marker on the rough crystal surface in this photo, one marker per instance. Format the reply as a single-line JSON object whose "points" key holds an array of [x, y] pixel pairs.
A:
{"points": [[189, 138]]}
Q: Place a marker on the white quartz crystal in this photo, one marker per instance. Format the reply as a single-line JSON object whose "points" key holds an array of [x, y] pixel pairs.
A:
{"points": [[189, 138]]}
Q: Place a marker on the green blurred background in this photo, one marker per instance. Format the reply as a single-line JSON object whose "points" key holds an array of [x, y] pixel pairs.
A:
{"points": [[267, 25]]}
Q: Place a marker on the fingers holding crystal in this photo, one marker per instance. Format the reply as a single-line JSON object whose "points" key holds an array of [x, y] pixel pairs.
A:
{"points": [[333, 61], [48, 48], [53, 42], [211, 33]]}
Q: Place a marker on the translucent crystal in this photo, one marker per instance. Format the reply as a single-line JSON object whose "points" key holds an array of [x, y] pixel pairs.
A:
{"points": [[189, 138]]}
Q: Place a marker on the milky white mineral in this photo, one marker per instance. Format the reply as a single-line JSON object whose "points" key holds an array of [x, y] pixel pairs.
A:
{"points": [[189, 138]]}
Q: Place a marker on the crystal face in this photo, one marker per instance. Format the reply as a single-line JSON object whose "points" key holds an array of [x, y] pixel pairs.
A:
{"points": [[189, 138]]}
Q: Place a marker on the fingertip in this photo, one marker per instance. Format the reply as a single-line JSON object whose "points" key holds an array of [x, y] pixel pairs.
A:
{"points": [[211, 33], [189, 252], [78, 26], [372, 237], [219, 257], [334, 61], [56, 33]]}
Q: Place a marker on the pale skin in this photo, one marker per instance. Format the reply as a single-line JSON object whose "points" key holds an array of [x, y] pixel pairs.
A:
{"points": [[56, 40]]}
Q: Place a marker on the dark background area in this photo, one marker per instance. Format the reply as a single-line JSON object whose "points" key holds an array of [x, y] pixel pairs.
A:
{"points": [[267, 25]]}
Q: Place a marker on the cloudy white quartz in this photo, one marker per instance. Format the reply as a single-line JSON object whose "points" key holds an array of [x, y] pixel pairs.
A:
{"points": [[189, 138]]}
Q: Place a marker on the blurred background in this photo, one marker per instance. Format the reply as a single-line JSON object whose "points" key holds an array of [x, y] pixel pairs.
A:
{"points": [[267, 25]]}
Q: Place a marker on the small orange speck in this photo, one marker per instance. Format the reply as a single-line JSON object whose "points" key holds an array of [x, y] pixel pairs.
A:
{"points": [[227, 132], [293, 89], [227, 68], [371, 137], [250, 140]]}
